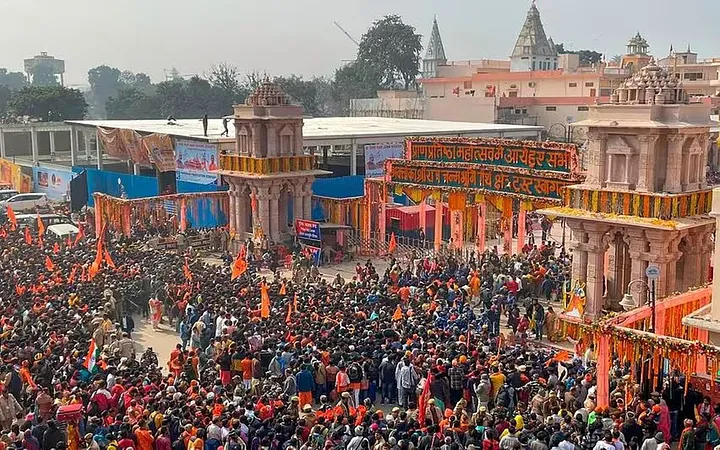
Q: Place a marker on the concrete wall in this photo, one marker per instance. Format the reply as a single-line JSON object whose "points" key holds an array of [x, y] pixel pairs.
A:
{"points": [[463, 109]]}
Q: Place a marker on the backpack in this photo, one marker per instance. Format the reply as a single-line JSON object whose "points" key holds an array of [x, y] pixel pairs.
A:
{"points": [[354, 373], [15, 382]]}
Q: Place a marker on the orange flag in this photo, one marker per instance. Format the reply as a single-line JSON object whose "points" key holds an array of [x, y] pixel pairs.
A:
{"points": [[93, 270], [283, 290], [264, 302], [239, 267], [186, 270], [56, 248], [108, 260], [80, 235], [12, 218], [41, 226], [28, 238], [393, 243], [288, 318], [71, 278], [397, 315], [49, 264]]}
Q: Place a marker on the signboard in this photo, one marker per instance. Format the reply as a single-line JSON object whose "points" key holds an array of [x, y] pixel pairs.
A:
{"points": [[55, 183], [485, 180], [307, 229], [196, 162], [160, 149], [376, 154], [313, 252], [652, 272], [518, 154], [11, 175]]}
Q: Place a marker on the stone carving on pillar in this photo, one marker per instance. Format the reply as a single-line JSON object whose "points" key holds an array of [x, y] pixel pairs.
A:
{"points": [[646, 165], [275, 226], [307, 199], [298, 192], [595, 158], [596, 248], [673, 170]]}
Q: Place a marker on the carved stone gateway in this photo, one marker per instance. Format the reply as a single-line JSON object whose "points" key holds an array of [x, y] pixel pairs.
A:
{"points": [[645, 200]]}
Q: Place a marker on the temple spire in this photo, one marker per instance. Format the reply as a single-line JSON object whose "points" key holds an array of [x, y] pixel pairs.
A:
{"points": [[435, 53], [533, 45]]}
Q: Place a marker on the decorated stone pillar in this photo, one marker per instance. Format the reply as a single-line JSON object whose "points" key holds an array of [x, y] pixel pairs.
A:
{"points": [[233, 219], [691, 260], [674, 164], [660, 255], [646, 178], [263, 201], [638, 263], [438, 222], [307, 200], [596, 158], [596, 248], [275, 226], [580, 256], [423, 215], [297, 201]]}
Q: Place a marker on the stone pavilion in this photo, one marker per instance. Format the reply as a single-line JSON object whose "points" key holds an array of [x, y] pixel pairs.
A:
{"points": [[645, 200]]}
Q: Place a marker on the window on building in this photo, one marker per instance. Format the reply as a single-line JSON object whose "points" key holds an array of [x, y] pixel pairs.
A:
{"points": [[533, 66], [572, 85], [555, 66], [526, 49], [593, 93], [524, 110], [512, 94], [551, 108], [467, 85], [518, 111], [583, 108], [693, 76], [605, 92], [589, 84]]}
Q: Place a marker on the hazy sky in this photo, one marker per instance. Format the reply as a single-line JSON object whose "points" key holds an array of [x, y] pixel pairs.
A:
{"points": [[298, 36]]}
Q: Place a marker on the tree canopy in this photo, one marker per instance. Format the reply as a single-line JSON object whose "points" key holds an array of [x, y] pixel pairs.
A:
{"points": [[48, 103], [587, 57], [390, 50], [12, 80]]}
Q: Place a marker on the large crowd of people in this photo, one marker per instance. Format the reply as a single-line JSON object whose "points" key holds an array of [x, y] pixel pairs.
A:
{"points": [[411, 357]]}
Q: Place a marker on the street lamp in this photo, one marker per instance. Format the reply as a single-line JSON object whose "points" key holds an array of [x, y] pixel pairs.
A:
{"points": [[628, 302]]}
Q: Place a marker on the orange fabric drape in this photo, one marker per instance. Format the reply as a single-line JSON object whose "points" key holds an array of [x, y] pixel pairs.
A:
{"points": [[264, 302]]}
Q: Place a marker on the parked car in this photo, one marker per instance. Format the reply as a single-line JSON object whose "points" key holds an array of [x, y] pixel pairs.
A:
{"points": [[7, 193], [63, 230], [25, 202]]}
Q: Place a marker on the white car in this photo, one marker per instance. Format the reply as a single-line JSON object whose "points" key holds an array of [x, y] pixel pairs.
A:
{"points": [[25, 202], [63, 230]]}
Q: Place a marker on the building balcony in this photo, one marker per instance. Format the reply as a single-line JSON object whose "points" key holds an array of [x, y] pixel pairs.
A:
{"points": [[267, 166]]}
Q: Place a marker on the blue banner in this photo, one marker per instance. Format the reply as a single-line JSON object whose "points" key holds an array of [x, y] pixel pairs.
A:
{"points": [[55, 183], [307, 229]]}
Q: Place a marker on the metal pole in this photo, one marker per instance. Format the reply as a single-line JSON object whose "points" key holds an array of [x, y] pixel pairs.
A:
{"points": [[653, 300]]}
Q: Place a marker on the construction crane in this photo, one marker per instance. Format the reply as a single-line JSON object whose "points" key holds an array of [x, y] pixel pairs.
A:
{"points": [[347, 34]]}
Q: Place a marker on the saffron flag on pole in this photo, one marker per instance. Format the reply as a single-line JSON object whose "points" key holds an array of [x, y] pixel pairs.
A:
{"points": [[108, 260], [56, 248], [423, 400], [28, 238], [12, 218], [49, 264], [288, 317], [283, 290], [92, 356], [80, 235], [186, 270], [264, 302], [41, 225], [393, 243], [239, 267]]}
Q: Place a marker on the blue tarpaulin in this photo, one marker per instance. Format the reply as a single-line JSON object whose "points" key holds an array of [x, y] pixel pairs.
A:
{"points": [[339, 187], [135, 186]]}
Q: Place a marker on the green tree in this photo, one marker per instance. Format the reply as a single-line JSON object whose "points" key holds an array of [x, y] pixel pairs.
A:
{"points": [[560, 48], [5, 94], [131, 103], [354, 80], [589, 57], [303, 92], [392, 48], [44, 75], [13, 80], [48, 103]]}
